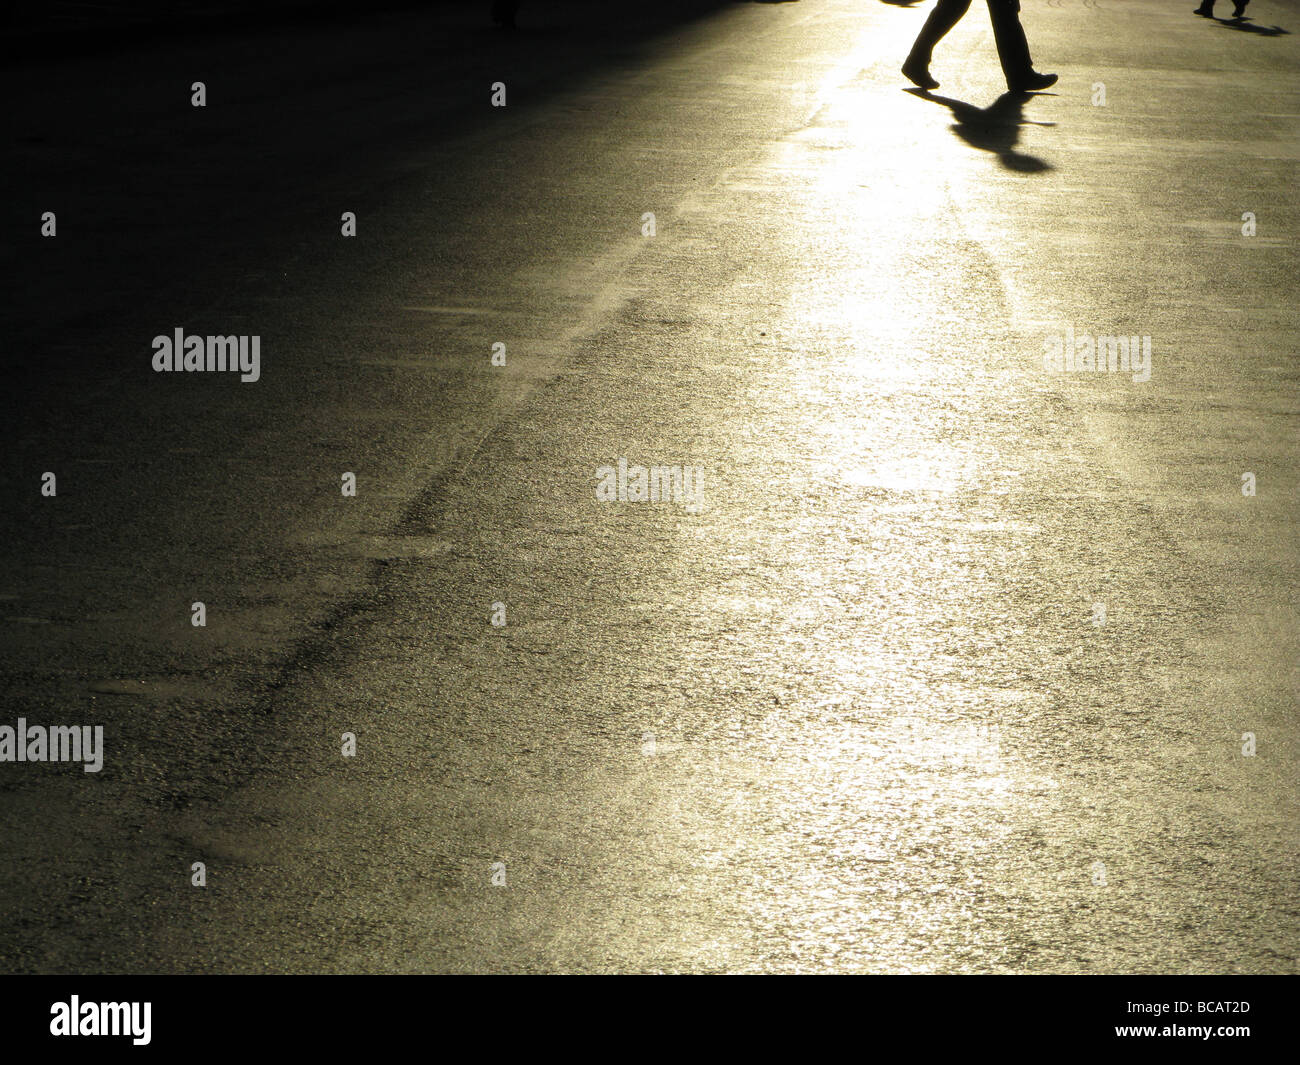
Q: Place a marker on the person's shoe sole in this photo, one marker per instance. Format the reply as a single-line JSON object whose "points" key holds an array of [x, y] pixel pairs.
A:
{"points": [[1034, 82], [921, 78]]}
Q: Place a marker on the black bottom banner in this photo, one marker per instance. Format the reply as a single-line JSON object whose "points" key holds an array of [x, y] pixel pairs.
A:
{"points": [[1223, 1015]]}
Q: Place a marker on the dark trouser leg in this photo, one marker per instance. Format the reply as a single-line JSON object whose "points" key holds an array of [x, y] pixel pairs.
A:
{"points": [[946, 14], [1013, 49]]}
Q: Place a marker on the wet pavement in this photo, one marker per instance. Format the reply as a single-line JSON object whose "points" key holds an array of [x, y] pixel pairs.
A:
{"points": [[948, 666]]}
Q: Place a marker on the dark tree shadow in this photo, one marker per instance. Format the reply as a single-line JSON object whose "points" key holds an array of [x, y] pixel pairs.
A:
{"points": [[995, 128], [1245, 25]]}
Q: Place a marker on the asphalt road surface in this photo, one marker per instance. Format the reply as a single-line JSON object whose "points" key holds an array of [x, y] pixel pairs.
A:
{"points": [[944, 659]]}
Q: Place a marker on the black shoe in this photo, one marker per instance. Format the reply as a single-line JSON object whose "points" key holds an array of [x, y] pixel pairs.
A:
{"points": [[1239, 8], [1031, 82], [1206, 10], [918, 73]]}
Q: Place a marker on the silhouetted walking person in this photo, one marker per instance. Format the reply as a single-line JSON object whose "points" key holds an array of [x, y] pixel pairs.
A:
{"points": [[1013, 49], [1207, 8]]}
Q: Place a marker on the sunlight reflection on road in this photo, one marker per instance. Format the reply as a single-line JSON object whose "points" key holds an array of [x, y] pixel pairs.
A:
{"points": [[860, 814]]}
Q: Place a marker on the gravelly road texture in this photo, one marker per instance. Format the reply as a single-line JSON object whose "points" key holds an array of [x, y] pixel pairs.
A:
{"points": [[950, 666]]}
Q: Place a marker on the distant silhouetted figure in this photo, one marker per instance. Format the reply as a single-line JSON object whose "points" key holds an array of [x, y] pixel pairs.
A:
{"points": [[1207, 8], [503, 13], [1013, 49]]}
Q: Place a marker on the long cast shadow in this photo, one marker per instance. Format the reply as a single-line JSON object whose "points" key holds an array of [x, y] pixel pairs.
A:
{"points": [[1246, 26], [995, 128]]}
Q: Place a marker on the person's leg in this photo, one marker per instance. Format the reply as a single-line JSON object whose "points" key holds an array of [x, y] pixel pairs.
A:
{"points": [[1206, 8], [1013, 48], [946, 14]]}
